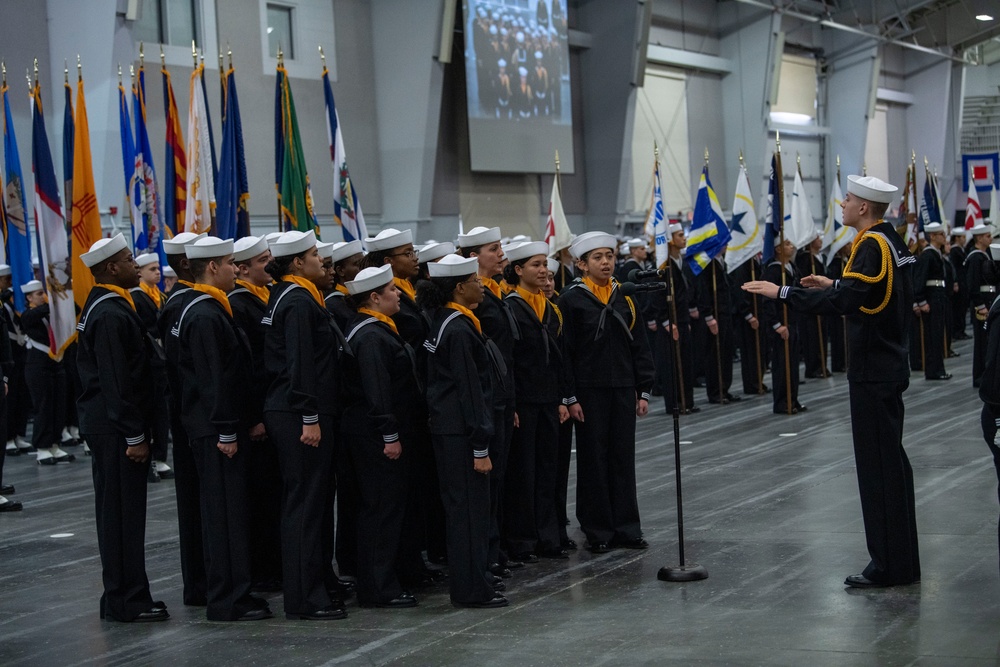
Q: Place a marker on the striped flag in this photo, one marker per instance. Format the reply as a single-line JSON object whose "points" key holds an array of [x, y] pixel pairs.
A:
{"points": [[973, 211], [86, 218], [657, 221], [200, 211], [346, 207], [295, 201], [773, 228], [232, 212], [147, 224], [709, 233], [557, 233], [128, 152], [747, 238], [52, 241], [17, 230], [174, 162]]}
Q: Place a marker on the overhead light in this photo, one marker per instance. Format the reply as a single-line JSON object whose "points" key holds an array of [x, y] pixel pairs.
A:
{"points": [[791, 118], [270, 30], [983, 17]]}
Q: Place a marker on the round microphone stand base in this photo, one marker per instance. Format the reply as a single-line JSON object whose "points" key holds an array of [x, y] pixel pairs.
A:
{"points": [[689, 572]]}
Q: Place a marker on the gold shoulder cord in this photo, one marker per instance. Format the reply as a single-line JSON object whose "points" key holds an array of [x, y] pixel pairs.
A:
{"points": [[631, 306], [558, 315], [886, 270]]}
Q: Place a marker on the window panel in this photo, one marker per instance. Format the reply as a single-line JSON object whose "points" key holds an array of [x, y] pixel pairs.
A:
{"points": [[279, 31]]}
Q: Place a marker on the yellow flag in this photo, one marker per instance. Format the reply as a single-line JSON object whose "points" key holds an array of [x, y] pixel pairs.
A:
{"points": [[86, 217]]}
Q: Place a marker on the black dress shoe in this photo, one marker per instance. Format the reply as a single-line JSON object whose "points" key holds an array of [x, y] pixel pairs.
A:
{"points": [[694, 409], [733, 398], [494, 603], [331, 613], [499, 586], [402, 601], [568, 544], [861, 581], [633, 543], [7, 490], [715, 401], [499, 570], [11, 506], [522, 558], [152, 477], [257, 615], [800, 408], [598, 548], [341, 590], [153, 615], [942, 376], [557, 553]]}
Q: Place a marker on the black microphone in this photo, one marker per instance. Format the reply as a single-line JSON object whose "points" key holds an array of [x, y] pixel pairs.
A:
{"points": [[635, 275], [628, 289]]}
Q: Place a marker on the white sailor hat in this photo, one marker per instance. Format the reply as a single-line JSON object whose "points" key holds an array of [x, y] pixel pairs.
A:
{"points": [[271, 237], [778, 240], [845, 235], [453, 266], [553, 264], [493, 30], [147, 258], [435, 251], [501, 63], [325, 249], [871, 188], [249, 247], [584, 243], [520, 35], [526, 250], [520, 238], [209, 247], [344, 249], [479, 236], [505, 248], [293, 243], [168, 272], [370, 279], [4, 270], [522, 71], [389, 238], [636, 243], [32, 286], [175, 246], [103, 250], [958, 231], [933, 228], [538, 54], [980, 229], [675, 227]]}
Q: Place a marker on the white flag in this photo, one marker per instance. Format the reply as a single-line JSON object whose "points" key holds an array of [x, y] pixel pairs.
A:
{"points": [[973, 211], [659, 221], [800, 228], [557, 233], [200, 179], [748, 237], [995, 211], [835, 215]]}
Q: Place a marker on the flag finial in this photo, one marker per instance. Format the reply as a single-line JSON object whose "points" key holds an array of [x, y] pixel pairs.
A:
{"points": [[36, 69], [119, 74], [926, 165], [27, 75], [741, 158], [322, 55], [656, 151], [706, 156], [194, 54], [79, 68], [131, 72], [3, 66], [838, 161], [777, 140], [229, 52], [864, 168], [142, 55], [220, 61], [65, 71], [557, 159], [281, 56], [913, 156]]}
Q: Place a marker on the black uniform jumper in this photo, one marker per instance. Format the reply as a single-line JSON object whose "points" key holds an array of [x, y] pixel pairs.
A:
{"points": [[46, 379], [302, 359], [530, 521], [982, 291], [989, 390], [715, 301], [773, 317], [6, 367], [148, 312], [959, 299], [18, 398], [752, 343], [812, 330], [876, 295], [214, 368], [263, 469], [837, 325], [337, 305], [378, 410], [114, 408], [931, 287], [608, 366], [462, 380], [186, 484], [675, 385]]}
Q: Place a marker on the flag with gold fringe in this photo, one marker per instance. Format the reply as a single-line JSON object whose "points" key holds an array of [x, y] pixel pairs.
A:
{"points": [[295, 201], [86, 217], [709, 232]]}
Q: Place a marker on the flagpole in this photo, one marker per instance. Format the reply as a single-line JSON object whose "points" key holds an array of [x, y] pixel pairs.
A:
{"points": [[843, 318], [281, 225], [715, 300], [756, 332], [819, 319], [779, 178], [672, 299]]}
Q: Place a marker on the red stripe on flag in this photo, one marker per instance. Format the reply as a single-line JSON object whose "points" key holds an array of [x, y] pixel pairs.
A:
{"points": [[980, 172]]}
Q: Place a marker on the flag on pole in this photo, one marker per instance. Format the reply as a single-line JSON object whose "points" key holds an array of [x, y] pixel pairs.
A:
{"points": [[995, 211], [973, 211], [908, 209], [346, 207], [657, 221], [174, 162], [557, 233], [295, 199], [147, 222], [17, 231], [834, 215], [68, 145], [747, 237], [775, 218], [208, 122], [86, 217], [52, 241], [200, 209], [929, 211], [801, 229], [709, 232], [940, 206], [128, 147], [461, 225], [232, 214]]}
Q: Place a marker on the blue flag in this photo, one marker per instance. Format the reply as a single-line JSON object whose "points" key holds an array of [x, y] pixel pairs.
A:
{"points": [[232, 215], [775, 216], [147, 225], [211, 133], [709, 232], [68, 134], [18, 231], [929, 211]]}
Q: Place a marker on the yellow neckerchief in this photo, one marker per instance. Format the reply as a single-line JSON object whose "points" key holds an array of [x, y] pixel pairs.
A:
{"points": [[120, 292], [492, 286], [505, 287], [381, 318], [536, 301], [308, 284], [602, 293], [406, 287], [340, 288], [216, 294], [154, 293], [185, 283], [871, 280], [468, 313], [261, 293]]}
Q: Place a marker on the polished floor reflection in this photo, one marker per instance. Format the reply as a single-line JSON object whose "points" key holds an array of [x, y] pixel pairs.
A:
{"points": [[771, 510]]}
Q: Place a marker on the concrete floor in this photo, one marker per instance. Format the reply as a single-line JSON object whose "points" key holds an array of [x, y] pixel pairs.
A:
{"points": [[771, 510]]}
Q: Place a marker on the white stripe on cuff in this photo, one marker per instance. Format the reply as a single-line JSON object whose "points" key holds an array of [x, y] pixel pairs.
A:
{"points": [[569, 401], [481, 453], [227, 438], [783, 292], [137, 440], [390, 438], [310, 419], [645, 396]]}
